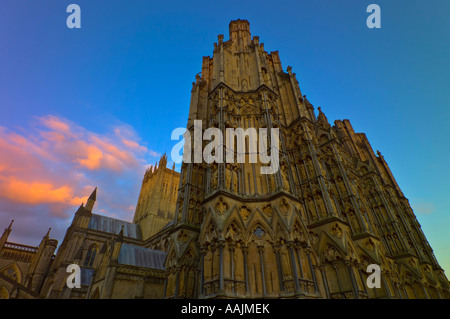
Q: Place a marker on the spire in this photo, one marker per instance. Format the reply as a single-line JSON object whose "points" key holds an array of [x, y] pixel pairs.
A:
{"points": [[94, 195], [45, 238], [81, 207], [10, 226], [5, 235], [48, 233], [91, 201], [163, 160], [322, 119]]}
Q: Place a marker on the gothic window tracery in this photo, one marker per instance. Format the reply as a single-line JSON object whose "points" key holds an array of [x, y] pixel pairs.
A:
{"points": [[90, 257]]}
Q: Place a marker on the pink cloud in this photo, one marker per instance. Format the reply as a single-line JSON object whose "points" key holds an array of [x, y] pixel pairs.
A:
{"points": [[34, 193], [52, 167]]}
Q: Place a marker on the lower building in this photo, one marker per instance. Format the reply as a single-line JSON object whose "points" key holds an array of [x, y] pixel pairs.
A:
{"points": [[312, 228]]}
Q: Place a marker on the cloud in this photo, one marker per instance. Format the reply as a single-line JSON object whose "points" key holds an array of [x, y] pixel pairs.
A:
{"points": [[51, 167], [37, 193]]}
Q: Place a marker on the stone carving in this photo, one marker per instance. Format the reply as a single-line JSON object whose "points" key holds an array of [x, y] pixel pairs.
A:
{"points": [[182, 237], [336, 230], [222, 206], [284, 207], [245, 213], [268, 210]]}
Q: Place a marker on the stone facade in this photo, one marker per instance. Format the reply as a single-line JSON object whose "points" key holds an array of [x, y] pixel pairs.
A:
{"points": [[23, 269], [157, 199], [311, 229], [224, 230]]}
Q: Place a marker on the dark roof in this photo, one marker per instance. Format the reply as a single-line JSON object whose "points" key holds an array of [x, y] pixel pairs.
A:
{"points": [[113, 226], [141, 257]]}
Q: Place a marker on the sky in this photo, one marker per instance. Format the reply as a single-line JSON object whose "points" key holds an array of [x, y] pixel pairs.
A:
{"points": [[95, 106]]}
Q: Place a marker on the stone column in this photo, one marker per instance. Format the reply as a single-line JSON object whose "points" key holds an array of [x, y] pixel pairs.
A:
{"points": [[313, 272], [298, 289], [325, 282], [261, 259], [352, 279], [276, 249], [386, 287], [221, 245], [202, 267], [245, 253], [231, 247]]}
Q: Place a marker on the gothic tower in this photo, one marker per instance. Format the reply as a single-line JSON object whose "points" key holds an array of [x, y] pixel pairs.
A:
{"points": [[310, 229], [157, 198]]}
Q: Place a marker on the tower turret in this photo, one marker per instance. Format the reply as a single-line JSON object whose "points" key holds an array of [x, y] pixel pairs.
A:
{"points": [[91, 201], [5, 235]]}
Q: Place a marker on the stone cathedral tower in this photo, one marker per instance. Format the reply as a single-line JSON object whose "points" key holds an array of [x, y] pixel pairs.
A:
{"points": [[157, 199], [311, 229]]}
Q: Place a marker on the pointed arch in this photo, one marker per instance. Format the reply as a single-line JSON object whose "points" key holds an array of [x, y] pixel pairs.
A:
{"points": [[13, 272]]}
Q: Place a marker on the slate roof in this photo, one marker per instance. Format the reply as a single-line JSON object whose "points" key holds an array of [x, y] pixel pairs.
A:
{"points": [[141, 257], [113, 226]]}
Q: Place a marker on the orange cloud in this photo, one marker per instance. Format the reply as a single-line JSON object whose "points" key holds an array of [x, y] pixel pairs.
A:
{"points": [[54, 161], [37, 193], [134, 145], [92, 159]]}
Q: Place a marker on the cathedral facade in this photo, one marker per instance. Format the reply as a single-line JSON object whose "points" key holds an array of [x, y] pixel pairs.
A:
{"points": [[225, 230]]}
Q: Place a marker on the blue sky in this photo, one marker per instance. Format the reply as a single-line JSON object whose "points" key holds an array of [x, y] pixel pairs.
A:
{"points": [[121, 84]]}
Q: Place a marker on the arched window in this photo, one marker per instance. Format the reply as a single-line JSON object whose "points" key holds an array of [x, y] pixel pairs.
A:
{"points": [[13, 272], [90, 257]]}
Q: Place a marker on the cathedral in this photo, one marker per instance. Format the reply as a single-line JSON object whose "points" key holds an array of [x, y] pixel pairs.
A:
{"points": [[225, 230]]}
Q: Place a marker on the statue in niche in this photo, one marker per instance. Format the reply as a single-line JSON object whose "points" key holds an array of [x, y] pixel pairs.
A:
{"points": [[332, 198], [272, 183], [235, 178], [244, 85], [170, 283], [285, 265], [228, 176], [321, 206], [207, 265], [214, 177], [232, 232], [191, 210], [285, 177], [180, 206]]}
